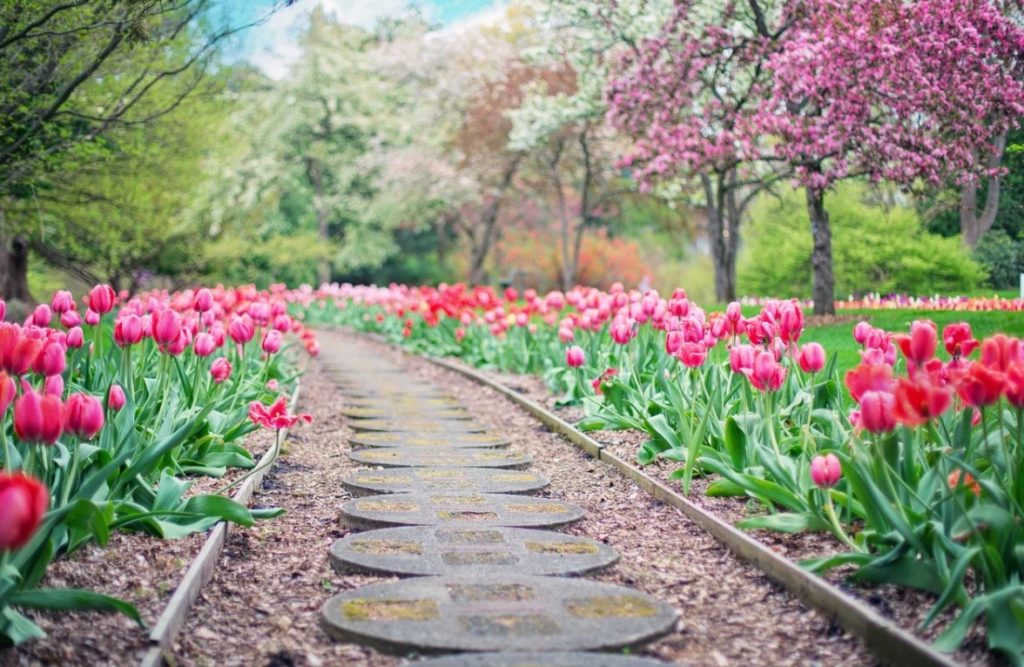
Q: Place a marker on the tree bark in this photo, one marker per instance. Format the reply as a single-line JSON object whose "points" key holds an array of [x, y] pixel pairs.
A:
{"points": [[314, 172], [823, 281], [973, 224], [722, 241], [14, 270], [481, 243]]}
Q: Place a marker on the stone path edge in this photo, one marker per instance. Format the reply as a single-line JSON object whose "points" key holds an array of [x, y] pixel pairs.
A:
{"points": [[890, 644], [202, 568]]}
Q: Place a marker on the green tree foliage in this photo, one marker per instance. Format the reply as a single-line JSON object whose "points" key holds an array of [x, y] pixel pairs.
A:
{"points": [[1002, 256], [876, 249]]}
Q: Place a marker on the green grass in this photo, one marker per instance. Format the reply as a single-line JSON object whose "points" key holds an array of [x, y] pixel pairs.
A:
{"points": [[838, 338]]}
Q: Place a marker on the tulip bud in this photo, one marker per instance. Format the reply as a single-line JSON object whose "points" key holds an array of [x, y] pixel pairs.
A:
{"points": [[861, 332], [128, 330], [51, 360], [42, 315], [283, 323], [83, 416], [38, 418], [23, 502], [116, 398], [241, 329], [877, 413], [272, 341], [70, 319], [62, 302], [54, 386], [75, 338], [24, 355], [101, 299], [826, 471], [92, 318], [203, 300], [575, 357], [204, 345], [7, 392], [166, 325], [220, 370], [812, 358]]}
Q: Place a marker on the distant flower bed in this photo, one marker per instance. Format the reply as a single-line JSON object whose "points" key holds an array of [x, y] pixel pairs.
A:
{"points": [[107, 407], [914, 460]]}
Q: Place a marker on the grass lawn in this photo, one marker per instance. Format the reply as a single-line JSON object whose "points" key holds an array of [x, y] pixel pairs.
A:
{"points": [[838, 338]]}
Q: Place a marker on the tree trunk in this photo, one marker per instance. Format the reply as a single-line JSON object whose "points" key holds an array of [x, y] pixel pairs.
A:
{"points": [[314, 172], [823, 282], [481, 243], [972, 224], [721, 243], [731, 220], [14, 271]]}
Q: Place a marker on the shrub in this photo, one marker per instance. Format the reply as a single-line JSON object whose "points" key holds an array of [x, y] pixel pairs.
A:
{"points": [[1002, 257], [874, 249]]}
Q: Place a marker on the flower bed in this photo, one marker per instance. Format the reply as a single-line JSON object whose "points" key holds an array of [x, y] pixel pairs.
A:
{"points": [[107, 414], [912, 461]]}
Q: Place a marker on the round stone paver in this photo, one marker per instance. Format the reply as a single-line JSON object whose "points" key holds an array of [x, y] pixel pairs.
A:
{"points": [[458, 510], [427, 550], [535, 659], [428, 440], [416, 425], [411, 411], [400, 403], [495, 613], [422, 457], [465, 480]]}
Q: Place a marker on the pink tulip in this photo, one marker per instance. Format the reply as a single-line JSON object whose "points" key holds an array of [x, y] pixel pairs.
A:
{"points": [[54, 386], [811, 358], [877, 411], [203, 300], [42, 315], [38, 418], [92, 318], [128, 330], [204, 345], [741, 358], [575, 357], [70, 319], [826, 471], [83, 416], [220, 370], [101, 299], [241, 329], [272, 341], [116, 398], [166, 325], [693, 355], [51, 360], [62, 302]]}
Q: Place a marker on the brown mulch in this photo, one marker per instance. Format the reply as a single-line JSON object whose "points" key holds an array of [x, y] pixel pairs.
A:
{"points": [[905, 606]]}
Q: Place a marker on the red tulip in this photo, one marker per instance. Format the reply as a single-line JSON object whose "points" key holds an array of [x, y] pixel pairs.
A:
{"points": [[116, 398], [83, 416], [24, 355], [999, 351], [51, 359], [919, 400], [1014, 388], [38, 418], [868, 377], [920, 345], [575, 357], [220, 370], [979, 385], [877, 411], [791, 322], [101, 299], [23, 502], [826, 470], [276, 416], [62, 302], [811, 358], [958, 340], [7, 392], [272, 341]]}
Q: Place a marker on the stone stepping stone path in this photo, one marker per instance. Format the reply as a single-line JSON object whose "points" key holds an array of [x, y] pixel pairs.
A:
{"points": [[492, 613], [417, 425], [429, 440], [439, 506], [422, 457], [426, 480], [458, 510], [533, 659], [418, 551]]}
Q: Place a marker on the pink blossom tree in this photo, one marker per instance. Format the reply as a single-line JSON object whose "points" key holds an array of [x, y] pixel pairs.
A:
{"points": [[688, 97], [908, 91]]}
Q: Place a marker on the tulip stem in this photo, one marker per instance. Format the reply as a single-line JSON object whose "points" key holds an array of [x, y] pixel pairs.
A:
{"points": [[69, 479], [837, 528]]}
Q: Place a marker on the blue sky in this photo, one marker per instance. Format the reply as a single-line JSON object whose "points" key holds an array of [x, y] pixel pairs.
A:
{"points": [[272, 46]]}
